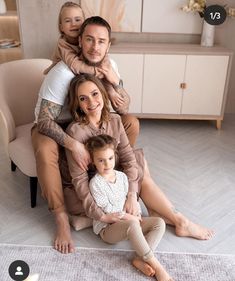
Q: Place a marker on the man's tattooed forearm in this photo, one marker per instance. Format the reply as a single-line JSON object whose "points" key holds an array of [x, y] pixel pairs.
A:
{"points": [[47, 125], [51, 129]]}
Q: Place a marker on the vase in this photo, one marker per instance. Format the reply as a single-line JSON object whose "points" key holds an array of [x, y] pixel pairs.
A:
{"points": [[3, 7], [208, 34]]}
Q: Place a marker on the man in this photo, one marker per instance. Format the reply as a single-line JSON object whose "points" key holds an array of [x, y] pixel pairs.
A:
{"points": [[48, 136]]}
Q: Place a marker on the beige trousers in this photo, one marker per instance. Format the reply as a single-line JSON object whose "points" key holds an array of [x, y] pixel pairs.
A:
{"points": [[144, 236]]}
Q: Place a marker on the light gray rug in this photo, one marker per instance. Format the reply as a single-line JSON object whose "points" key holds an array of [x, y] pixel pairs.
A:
{"points": [[108, 265]]}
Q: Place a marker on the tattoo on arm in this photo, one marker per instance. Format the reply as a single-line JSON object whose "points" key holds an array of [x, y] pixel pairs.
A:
{"points": [[47, 125]]}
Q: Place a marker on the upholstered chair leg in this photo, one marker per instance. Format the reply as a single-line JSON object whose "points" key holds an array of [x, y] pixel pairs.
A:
{"points": [[13, 166], [33, 190]]}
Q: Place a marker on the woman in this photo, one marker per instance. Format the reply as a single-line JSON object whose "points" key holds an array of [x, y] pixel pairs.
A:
{"points": [[89, 107]]}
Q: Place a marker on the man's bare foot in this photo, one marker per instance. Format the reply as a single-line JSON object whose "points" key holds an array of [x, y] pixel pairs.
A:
{"points": [[143, 267], [63, 240], [190, 229]]}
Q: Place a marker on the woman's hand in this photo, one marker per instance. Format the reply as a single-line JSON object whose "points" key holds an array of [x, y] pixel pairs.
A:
{"points": [[131, 205], [110, 218], [81, 155], [115, 217], [130, 217]]}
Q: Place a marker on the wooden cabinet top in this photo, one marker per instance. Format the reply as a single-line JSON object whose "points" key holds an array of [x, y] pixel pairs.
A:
{"points": [[161, 48]]}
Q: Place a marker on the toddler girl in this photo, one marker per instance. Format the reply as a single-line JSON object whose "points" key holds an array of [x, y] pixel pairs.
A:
{"points": [[109, 189], [70, 19]]}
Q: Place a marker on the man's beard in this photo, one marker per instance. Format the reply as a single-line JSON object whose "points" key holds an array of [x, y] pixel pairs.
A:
{"points": [[91, 63]]}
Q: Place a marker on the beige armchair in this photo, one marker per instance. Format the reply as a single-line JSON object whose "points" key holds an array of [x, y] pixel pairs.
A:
{"points": [[19, 86]]}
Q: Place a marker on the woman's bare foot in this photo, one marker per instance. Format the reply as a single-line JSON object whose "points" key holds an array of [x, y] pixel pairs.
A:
{"points": [[190, 229], [143, 267], [63, 240]]}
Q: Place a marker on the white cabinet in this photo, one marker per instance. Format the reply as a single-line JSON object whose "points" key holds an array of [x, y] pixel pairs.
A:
{"points": [[162, 77], [130, 67], [175, 81], [184, 84], [205, 78]]}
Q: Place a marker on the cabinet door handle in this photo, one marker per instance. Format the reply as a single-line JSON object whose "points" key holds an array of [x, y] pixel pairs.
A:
{"points": [[183, 85]]}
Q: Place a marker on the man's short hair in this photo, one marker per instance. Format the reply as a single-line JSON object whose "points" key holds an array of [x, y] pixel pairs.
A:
{"points": [[96, 20]]}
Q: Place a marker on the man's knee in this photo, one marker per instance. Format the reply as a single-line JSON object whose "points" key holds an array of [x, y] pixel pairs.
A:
{"points": [[130, 122], [47, 150], [73, 204], [132, 127]]}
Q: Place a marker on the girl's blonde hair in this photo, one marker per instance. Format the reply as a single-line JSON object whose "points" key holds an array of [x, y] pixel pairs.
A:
{"points": [[68, 4], [77, 114]]}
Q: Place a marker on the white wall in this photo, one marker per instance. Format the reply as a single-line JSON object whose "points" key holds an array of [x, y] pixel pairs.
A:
{"points": [[38, 26]]}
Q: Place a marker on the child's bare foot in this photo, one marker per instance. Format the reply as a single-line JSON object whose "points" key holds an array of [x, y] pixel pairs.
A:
{"points": [[161, 274], [190, 229], [63, 240], [143, 267]]}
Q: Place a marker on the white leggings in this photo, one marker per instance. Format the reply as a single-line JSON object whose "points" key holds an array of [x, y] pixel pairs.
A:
{"points": [[144, 236]]}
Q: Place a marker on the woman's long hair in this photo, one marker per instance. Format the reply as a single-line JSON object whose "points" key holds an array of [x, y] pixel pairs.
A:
{"points": [[77, 114]]}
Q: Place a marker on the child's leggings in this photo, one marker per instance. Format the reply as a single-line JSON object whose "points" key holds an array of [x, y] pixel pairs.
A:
{"points": [[144, 236]]}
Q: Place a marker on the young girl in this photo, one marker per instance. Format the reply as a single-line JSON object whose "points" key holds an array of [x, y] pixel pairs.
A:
{"points": [[70, 19], [109, 189]]}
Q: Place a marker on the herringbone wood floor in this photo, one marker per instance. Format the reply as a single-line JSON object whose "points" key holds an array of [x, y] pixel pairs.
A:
{"points": [[191, 161]]}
